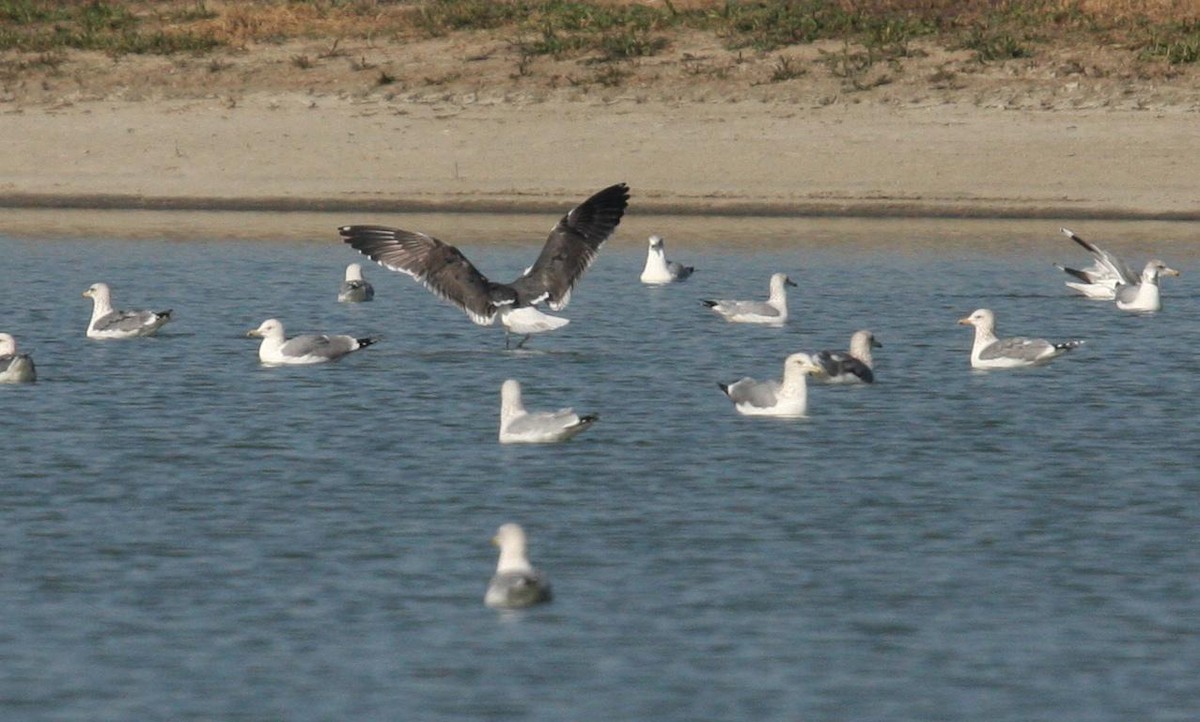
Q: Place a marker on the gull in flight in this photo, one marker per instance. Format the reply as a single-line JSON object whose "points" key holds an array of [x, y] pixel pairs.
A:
{"points": [[787, 398], [990, 352], [276, 349], [659, 270], [772, 312], [443, 269], [1110, 278], [354, 289], [107, 323], [516, 583]]}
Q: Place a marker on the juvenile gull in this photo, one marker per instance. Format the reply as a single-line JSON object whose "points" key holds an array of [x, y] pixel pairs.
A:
{"points": [[354, 289], [659, 270], [15, 368], [276, 349], [849, 367], [571, 247], [518, 426], [773, 311], [1111, 278], [788, 398], [107, 323], [516, 583], [990, 352]]}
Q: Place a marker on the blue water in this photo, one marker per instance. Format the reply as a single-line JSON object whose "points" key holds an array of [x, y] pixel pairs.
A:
{"points": [[186, 535]]}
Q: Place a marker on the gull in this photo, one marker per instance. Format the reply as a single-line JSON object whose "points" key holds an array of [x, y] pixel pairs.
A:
{"points": [[659, 270], [276, 349], [516, 584], [571, 247], [354, 289], [788, 398], [849, 367], [990, 352], [107, 323], [15, 368], [773, 311], [518, 426], [1110, 278]]}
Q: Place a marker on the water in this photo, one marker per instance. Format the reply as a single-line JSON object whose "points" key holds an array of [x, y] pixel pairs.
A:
{"points": [[185, 535]]}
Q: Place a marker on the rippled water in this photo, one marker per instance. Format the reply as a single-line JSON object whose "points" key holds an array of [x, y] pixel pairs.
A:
{"points": [[185, 535]]}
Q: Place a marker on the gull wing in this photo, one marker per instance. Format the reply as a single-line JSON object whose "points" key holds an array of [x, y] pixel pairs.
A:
{"points": [[1109, 262], [572, 246]]}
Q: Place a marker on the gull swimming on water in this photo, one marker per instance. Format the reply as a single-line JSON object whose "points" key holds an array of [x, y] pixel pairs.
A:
{"points": [[990, 352], [788, 398], [658, 269], [354, 289], [107, 323], [518, 426], [773, 311], [849, 367], [516, 584], [15, 368], [276, 349], [571, 247], [1111, 278]]}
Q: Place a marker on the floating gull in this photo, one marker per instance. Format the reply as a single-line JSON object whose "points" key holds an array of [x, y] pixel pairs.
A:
{"points": [[1110, 278], [518, 426], [788, 398], [107, 323], [516, 583], [354, 289], [276, 349], [15, 368], [443, 269], [990, 352], [658, 269], [773, 311], [849, 367]]}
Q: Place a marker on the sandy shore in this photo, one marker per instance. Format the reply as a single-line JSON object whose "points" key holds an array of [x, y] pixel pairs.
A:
{"points": [[296, 152]]}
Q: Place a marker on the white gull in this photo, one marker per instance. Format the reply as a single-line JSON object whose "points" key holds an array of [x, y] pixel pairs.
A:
{"points": [[15, 368], [991, 352], [108, 323], [518, 426], [658, 269], [1111, 278], [787, 398], [276, 349], [354, 288], [516, 584], [772, 312]]}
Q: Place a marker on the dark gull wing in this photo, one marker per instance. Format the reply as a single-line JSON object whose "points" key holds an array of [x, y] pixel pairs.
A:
{"points": [[438, 266], [840, 363], [127, 320], [572, 246]]}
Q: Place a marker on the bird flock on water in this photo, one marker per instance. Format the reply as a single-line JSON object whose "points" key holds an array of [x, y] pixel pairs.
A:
{"points": [[569, 250]]}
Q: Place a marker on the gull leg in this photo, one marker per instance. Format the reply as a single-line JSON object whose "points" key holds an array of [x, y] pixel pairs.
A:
{"points": [[521, 343]]}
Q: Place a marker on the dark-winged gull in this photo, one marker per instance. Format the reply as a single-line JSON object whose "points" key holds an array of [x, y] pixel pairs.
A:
{"points": [[571, 247], [773, 311], [277, 349], [658, 269], [990, 352], [516, 584], [107, 323], [1111, 278], [787, 398], [15, 368], [354, 289], [849, 367], [518, 426]]}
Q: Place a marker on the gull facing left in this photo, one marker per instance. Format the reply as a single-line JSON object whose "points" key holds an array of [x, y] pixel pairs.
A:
{"points": [[992, 352]]}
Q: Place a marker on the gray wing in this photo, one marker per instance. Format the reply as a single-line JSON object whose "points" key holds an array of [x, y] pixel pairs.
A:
{"points": [[1126, 294], [571, 248], [678, 270], [438, 266], [739, 308], [756, 393], [841, 363], [126, 320], [518, 589], [318, 345], [1024, 349], [543, 422], [1109, 262]]}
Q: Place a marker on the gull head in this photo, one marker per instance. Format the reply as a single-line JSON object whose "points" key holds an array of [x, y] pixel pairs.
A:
{"points": [[510, 538], [8, 344], [779, 280], [354, 272], [981, 318], [802, 364], [97, 290], [268, 328], [1155, 268], [656, 242]]}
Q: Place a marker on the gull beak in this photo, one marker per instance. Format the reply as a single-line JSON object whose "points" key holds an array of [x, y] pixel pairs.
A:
{"points": [[877, 344], [87, 293], [1170, 272], [495, 541], [788, 282], [965, 321], [254, 332]]}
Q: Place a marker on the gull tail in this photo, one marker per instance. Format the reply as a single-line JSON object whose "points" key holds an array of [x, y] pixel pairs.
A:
{"points": [[164, 314], [1068, 345], [724, 388], [1075, 272], [364, 342], [708, 303]]}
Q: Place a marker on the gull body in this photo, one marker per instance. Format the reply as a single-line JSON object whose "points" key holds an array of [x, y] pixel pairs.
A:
{"points": [[15, 368], [992, 352], [108, 323], [787, 398], [516, 583], [567, 253], [354, 288], [518, 426], [658, 270], [276, 349], [772, 312], [849, 367]]}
